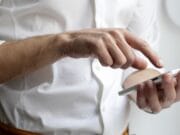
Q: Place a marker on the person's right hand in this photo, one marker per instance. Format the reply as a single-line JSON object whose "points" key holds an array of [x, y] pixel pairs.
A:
{"points": [[113, 47]]}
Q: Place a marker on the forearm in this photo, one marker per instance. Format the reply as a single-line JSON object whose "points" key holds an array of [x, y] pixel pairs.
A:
{"points": [[20, 57]]}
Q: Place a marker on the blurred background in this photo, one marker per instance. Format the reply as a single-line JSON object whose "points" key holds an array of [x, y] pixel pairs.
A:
{"points": [[167, 122]]}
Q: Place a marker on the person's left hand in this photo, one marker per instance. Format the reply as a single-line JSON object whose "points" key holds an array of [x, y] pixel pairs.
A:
{"points": [[158, 97]]}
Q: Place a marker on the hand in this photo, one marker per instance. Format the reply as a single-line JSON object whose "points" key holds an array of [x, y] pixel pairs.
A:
{"points": [[178, 88], [157, 97], [113, 47]]}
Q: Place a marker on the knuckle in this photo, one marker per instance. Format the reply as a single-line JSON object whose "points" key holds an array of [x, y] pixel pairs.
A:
{"points": [[113, 32], [104, 35], [118, 33]]}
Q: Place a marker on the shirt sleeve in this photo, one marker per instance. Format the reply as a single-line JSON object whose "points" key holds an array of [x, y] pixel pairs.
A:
{"points": [[144, 25]]}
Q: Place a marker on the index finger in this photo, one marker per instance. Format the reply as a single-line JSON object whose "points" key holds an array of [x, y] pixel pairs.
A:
{"points": [[143, 47]]}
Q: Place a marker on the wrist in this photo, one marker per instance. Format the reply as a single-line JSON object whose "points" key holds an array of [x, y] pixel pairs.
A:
{"points": [[62, 42]]}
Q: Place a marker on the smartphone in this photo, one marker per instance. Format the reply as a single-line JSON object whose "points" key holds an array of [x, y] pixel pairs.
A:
{"points": [[156, 79]]}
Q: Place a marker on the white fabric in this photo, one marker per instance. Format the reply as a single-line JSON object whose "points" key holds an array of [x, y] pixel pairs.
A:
{"points": [[1, 42], [72, 96]]}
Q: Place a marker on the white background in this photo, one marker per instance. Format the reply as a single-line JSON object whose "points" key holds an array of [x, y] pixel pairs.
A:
{"points": [[168, 121]]}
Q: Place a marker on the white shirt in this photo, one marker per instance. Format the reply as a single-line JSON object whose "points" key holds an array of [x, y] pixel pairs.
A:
{"points": [[72, 96]]}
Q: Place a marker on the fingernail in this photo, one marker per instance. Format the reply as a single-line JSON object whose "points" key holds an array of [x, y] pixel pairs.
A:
{"points": [[160, 63]]}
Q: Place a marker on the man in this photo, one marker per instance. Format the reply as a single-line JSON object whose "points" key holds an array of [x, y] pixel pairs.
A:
{"points": [[62, 72]]}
